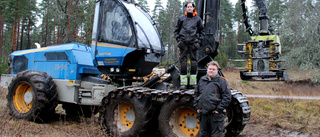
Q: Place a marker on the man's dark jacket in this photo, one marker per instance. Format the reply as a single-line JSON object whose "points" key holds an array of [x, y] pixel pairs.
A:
{"points": [[189, 29], [212, 94]]}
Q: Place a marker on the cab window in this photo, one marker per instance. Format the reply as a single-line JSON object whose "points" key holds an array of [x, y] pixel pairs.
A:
{"points": [[115, 24]]}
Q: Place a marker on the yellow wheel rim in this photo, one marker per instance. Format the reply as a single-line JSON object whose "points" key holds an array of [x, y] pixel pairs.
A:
{"points": [[23, 97], [124, 117], [184, 122]]}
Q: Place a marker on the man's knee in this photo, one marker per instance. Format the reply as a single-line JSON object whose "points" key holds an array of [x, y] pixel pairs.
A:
{"points": [[218, 131], [194, 66]]}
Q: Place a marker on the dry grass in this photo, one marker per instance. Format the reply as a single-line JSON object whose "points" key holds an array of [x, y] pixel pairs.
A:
{"points": [[60, 126], [297, 117], [275, 87]]}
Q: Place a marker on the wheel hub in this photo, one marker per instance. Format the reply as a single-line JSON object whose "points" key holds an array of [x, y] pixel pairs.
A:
{"points": [[130, 115], [124, 116], [184, 122], [28, 97], [23, 97], [191, 122]]}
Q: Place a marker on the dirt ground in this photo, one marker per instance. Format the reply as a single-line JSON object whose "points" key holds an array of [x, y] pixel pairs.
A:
{"points": [[64, 126]]}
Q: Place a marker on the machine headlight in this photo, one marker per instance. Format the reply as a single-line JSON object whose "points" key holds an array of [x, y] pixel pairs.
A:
{"points": [[148, 51], [117, 70], [112, 69]]}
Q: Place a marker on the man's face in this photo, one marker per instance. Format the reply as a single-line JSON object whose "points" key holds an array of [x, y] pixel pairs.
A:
{"points": [[190, 7], [212, 70]]}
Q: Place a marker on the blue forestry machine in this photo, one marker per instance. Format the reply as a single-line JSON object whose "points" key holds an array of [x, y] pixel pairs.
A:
{"points": [[125, 44]]}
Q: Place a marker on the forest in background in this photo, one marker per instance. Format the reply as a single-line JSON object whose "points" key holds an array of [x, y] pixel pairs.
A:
{"points": [[63, 21]]}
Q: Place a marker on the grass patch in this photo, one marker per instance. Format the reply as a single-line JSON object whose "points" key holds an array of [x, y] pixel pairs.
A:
{"points": [[294, 115], [60, 126], [246, 83], [272, 87]]}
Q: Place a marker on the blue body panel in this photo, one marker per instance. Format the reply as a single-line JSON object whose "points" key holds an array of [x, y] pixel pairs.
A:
{"points": [[111, 55], [76, 60]]}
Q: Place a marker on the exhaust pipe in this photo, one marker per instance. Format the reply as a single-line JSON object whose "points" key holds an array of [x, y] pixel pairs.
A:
{"points": [[38, 45]]}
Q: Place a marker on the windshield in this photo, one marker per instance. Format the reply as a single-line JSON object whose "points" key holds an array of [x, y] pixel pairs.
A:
{"points": [[115, 24], [147, 34]]}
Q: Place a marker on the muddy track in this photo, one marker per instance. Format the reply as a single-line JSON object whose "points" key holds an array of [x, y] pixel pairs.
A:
{"points": [[283, 97]]}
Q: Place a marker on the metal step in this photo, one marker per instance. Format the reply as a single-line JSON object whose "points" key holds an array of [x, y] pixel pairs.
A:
{"points": [[238, 60], [277, 60], [241, 51], [240, 68]]}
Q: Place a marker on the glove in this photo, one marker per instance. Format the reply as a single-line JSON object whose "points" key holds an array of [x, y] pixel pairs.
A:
{"points": [[220, 111], [196, 46], [180, 45], [178, 39]]}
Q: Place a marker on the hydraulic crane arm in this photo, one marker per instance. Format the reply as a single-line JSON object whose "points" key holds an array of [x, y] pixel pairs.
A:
{"points": [[263, 17], [246, 18]]}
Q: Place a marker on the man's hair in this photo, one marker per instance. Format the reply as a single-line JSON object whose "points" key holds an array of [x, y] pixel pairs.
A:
{"points": [[193, 4], [214, 63]]}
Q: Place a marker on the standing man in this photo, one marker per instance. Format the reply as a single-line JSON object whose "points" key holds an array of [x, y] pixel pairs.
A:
{"points": [[212, 96], [189, 33]]}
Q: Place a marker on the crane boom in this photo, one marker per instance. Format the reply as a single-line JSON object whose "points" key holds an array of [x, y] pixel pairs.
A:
{"points": [[263, 17]]}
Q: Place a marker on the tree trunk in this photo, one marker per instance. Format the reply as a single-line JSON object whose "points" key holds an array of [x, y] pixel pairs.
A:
{"points": [[75, 30], [46, 26], [28, 35], [59, 35], [68, 19], [17, 39], [14, 35], [21, 38], [89, 30], [5, 34], [54, 30], [46, 31], [1, 33]]}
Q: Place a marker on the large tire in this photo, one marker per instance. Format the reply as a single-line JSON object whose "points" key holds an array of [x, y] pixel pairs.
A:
{"points": [[32, 96], [178, 117], [80, 110], [238, 114], [126, 115]]}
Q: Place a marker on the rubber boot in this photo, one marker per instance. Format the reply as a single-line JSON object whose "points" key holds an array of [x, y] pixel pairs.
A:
{"points": [[183, 81], [193, 81]]}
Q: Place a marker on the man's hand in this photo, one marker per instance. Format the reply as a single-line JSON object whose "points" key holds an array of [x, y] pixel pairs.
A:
{"points": [[215, 112], [196, 46], [180, 45], [198, 111]]}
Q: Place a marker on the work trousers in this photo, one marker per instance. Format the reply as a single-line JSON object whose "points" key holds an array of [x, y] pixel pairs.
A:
{"points": [[191, 50], [212, 125]]}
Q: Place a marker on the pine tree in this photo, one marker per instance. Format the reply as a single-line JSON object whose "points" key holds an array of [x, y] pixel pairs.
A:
{"points": [[254, 17], [156, 10], [67, 21], [167, 21], [144, 4], [16, 20], [227, 34], [2, 15], [276, 12], [301, 34]]}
